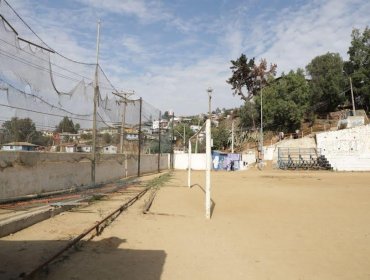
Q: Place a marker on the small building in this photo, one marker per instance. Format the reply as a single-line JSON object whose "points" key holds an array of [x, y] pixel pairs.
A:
{"points": [[110, 149], [132, 136], [70, 148], [83, 148], [19, 146]]}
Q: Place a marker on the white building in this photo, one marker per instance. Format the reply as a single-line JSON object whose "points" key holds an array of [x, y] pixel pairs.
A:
{"points": [[110, 149]]}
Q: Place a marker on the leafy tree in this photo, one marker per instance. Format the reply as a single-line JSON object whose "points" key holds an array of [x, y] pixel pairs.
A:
{"points": [[220, 136], [179, 132], [166, 115], [358, 66], [107, 138], [285, 102], [247, 77], [86, 136], [67, 125], [248, 115], [327, 82], [19, 130]]}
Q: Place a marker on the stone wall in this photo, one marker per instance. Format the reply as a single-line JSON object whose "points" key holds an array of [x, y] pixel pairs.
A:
{"points": [[28, 173]]}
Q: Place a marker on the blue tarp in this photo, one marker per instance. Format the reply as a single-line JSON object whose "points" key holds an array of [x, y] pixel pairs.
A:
{"points": [[224, 161]]}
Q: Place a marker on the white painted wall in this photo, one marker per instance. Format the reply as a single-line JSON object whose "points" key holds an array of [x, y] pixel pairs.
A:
{"points": [[346, 149], [198, 161]]}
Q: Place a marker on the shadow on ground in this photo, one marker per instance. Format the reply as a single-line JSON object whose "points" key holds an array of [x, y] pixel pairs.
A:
{"points": [[103, 259], [213, 204]]}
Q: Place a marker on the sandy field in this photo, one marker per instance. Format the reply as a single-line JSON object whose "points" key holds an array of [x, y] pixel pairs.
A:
{"points": [[268, 224]]}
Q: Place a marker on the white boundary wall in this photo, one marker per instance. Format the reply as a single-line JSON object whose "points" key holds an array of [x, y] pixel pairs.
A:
{"points": [[198, 161], [347, 149]]}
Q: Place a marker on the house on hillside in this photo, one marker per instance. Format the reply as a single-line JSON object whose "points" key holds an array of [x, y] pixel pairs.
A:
{"points": [[84, 148], [110, 149], [19, 146]]}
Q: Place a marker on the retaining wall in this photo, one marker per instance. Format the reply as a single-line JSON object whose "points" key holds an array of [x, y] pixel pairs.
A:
{"points": [[346, 149], [26, 173]]}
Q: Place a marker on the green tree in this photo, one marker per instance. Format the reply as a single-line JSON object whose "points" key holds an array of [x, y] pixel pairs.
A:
{"points": [[285, 102], [248, 77], [248, 115], [179, 132], [220, 136], [19, 130], [327, 82], [358, 66], [67, 125], [107, 138]]}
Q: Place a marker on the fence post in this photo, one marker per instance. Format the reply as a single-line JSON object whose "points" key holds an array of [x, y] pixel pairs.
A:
{"points": [[139, 155], [159, 142]]}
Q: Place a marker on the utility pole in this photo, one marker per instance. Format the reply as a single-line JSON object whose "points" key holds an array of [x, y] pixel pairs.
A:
{"points": [[172, 140], [196, 143], [139, 155], [159, 142], [96, 95], [353, 100], [184, 139], [209, 91], [261, 155], [124, 99], [232, 137]]}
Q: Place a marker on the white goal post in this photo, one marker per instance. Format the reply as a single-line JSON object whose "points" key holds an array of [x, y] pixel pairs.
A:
{"points": [[207, 126]]}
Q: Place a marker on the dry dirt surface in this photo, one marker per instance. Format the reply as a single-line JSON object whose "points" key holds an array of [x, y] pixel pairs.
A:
{"points": [[267, 224]]}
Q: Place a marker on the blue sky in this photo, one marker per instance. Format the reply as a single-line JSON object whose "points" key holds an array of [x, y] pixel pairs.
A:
{"points": [[170, 52]]}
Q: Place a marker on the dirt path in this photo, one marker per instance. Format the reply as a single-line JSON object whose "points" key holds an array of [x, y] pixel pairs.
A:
{"points": [[265, 225]]}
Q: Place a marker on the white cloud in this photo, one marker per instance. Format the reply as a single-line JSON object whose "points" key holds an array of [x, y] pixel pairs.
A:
{"points": [[167, 78], [297, 36]]}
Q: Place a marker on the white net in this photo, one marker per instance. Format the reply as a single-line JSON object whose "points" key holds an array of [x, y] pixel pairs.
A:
{"points": [[38, 83]]}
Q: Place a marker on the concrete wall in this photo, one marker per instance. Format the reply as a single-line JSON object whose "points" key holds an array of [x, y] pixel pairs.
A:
{"points": [[347, 149], [25, 173], [198, 161], [306, 142]]}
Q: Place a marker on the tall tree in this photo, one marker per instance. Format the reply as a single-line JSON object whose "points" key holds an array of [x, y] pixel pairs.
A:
{"points": [[247, 77], [220, 137], [285, 102], [248, 115], [67, 125], [327, 82], [19, 130], [358, 66]]}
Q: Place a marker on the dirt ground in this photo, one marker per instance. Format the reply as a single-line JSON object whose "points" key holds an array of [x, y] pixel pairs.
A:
{"points": [[268, 224]]}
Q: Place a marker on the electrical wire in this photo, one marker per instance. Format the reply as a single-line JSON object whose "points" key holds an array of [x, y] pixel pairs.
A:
{"points": [[29, 27]]}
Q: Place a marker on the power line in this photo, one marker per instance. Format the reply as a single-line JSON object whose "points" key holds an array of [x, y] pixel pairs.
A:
{"points": [[29, 27]]}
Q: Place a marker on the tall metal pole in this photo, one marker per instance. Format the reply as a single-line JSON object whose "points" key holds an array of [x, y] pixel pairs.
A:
{"points": [[96, 94], [261, 160], [124, 96], [172, 140], [353, 100], [159, 142], [196, 142], [232, 137], [139, 155], [123, 123], [209, 91], [184, 139]]}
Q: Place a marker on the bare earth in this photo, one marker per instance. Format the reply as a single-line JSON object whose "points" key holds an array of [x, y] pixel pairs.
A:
{"points": [[268, 224]]}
